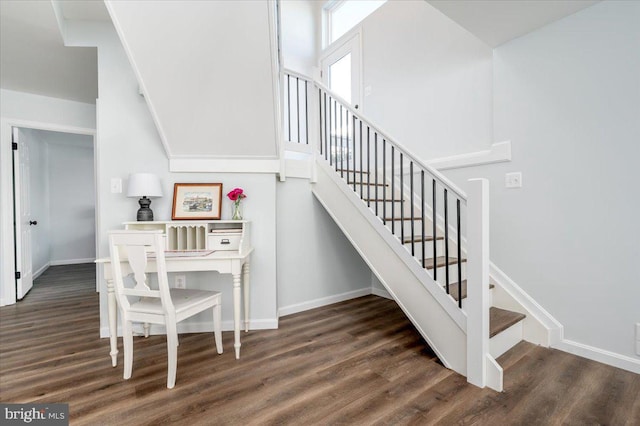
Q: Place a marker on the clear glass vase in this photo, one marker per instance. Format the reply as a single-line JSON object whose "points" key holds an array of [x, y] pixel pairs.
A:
{"points": [[236, 211]]}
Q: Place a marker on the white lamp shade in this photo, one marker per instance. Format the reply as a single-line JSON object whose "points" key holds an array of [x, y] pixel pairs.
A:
{"points": [[144, 185]]}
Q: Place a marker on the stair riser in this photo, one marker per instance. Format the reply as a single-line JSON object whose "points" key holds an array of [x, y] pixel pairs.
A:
{"points": [[417, 228], [369, 191], [464, 301], [388, 208], [453, 273], [503, 341], [398, 230], [428, 248]]}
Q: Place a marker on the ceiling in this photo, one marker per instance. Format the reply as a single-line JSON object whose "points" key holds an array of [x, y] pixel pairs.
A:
{"points": [[33, 58], [497, 21]]}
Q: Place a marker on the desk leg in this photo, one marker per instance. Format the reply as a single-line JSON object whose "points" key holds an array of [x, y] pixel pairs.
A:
{"points": [[112, 311], [245, 283], [236, 313]]}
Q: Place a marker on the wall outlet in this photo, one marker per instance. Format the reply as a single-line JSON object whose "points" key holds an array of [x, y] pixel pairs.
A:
{"points": [[513, 180], [181, 281]]}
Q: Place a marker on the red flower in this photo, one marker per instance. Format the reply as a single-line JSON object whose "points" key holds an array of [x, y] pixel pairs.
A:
{"points": [[236, 194]]}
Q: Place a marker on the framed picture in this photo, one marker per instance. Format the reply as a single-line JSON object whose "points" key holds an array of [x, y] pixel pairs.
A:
{"points": [[193, 201]]}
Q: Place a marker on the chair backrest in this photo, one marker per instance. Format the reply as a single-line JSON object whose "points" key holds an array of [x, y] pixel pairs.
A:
{"points": [[136, 248]]}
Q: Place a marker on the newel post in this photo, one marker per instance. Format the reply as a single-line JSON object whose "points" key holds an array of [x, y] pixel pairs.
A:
{"points": [[477, 281], [313, 106]]}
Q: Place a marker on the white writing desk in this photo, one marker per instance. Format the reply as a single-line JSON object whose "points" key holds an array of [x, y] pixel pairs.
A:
{"points": [[224, 262]]}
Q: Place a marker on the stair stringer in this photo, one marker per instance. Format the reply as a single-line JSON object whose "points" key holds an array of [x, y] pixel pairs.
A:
{"points": [[539, 326], [434, 314]]}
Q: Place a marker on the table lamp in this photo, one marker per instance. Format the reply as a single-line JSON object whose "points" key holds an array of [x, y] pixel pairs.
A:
{"points": [[144, 185]]}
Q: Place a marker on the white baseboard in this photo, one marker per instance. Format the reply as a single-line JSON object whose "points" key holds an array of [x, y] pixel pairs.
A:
{"points": [[554, 329], [499, 152], [381, 292], [71, 261], [197, 327], [311, 304], [596, 354], [40, 271]]}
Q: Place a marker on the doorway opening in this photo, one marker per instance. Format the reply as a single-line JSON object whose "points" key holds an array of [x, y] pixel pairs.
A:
{"points": [[54, 201], [341, 70]]}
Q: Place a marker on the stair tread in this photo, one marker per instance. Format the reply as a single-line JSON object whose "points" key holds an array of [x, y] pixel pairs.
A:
{"points": [[453, 289], [419, 239], [370, 184], [352, 171], [440, 262], [381, 199], [501, 319]]}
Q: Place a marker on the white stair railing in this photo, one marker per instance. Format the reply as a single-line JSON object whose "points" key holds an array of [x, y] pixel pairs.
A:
{"points": [[417, 204]]}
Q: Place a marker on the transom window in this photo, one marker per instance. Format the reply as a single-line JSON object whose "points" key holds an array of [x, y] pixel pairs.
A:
{"points": [[342, 15]]}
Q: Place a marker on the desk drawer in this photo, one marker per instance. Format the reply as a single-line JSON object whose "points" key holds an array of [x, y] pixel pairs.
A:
{"points": [[224, 242]]}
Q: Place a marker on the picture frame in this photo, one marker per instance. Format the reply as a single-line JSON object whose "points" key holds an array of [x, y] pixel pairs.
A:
{"points": [[197, 201]]}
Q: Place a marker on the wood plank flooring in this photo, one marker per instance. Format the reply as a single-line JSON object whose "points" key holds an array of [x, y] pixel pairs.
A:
{"points": [[358, 362]]}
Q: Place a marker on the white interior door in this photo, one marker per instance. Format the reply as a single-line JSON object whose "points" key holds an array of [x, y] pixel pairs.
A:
{"points": [[341, 70], [23, 221]]}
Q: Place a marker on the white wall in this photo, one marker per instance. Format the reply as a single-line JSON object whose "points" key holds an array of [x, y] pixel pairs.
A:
{"points": [[71, 197], [43, 109], [214, 58], [299, 27], [430, 80], [128, 142], [317, 265], [568, 97], [28, 110]]}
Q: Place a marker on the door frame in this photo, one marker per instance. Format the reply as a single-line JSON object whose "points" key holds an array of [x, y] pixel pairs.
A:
{"points": [[7, 240], [351, 42]]}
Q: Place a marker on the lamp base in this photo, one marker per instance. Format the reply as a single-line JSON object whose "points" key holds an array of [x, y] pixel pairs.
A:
{"points": [[145, 214]]}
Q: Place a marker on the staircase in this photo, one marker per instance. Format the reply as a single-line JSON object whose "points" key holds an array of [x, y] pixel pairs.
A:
{"points": [[423, 237]]}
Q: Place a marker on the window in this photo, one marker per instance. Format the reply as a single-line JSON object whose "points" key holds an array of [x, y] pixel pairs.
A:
{"points": [[342, 15], [340, 77]]}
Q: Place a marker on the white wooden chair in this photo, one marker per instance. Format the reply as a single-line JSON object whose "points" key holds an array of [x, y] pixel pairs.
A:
{"points": [[163, 306]]}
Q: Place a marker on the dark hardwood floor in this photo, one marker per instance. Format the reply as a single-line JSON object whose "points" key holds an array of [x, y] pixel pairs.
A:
{"points": [[358, 362]]}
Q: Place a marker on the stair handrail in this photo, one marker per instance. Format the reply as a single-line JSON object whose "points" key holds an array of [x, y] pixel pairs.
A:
{"points": [[430, 169], [293, 73], [481, 368]]}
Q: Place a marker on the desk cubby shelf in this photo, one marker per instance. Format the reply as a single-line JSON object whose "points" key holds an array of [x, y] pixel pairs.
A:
{"points": [[225, 235]]}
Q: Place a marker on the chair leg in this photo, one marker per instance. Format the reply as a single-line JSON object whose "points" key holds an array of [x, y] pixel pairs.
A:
{"points": [[127, 340], [217, 326], [172, 352]]}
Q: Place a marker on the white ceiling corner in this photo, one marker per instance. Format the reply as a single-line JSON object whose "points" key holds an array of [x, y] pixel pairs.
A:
{"points": [[33, 58], [497, 21], [84, 10]]}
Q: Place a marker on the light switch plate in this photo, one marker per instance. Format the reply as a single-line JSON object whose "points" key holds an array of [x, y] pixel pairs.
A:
{"points": [[116, 185], [513, 180]]}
